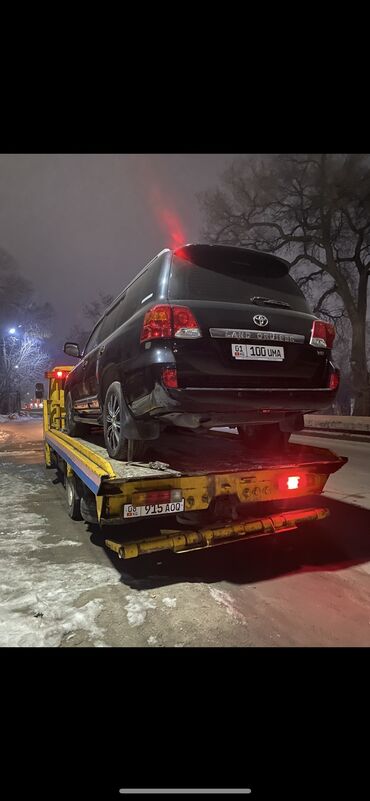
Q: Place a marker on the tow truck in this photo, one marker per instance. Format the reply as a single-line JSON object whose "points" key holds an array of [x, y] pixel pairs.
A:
{"points": [[209, 486]]}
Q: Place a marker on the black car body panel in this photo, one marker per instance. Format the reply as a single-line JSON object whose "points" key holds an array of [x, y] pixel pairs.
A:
{"points": [[236, 296]]}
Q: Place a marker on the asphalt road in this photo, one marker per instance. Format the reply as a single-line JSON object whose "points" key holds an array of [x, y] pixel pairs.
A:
{"points": [[60, 587]]}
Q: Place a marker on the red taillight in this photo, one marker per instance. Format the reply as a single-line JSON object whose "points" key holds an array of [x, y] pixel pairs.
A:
{"points": [[322, 334], [165, 321], [293, 482], [157, 496], [163, 496], [60, 374], [334, 379], [169, 377], [157, 323], [185, 325]]}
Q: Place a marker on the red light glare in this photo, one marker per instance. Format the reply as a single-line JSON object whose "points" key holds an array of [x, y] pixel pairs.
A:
{"points": [[168, 220], [293, 482]]}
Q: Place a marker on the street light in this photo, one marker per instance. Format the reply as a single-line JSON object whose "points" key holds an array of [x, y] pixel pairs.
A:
{"points": [[11, 330]]}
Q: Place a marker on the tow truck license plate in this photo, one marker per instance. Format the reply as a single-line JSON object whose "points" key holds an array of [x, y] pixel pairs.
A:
{"points": [[153, 509], [262, 353]]}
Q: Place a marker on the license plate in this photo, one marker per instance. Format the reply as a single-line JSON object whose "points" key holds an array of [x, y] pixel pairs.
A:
{"points": [[262, 353], [153, 509]]}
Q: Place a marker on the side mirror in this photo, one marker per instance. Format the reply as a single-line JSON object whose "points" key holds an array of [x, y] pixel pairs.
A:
{"points": [[72, 349], [39, 391]]}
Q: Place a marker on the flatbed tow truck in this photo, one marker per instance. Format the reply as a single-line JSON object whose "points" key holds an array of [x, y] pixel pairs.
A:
{"points": [[211, 488]]}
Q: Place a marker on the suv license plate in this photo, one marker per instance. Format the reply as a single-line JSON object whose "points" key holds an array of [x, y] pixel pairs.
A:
{"points": [[153, 509], [262, 353]]}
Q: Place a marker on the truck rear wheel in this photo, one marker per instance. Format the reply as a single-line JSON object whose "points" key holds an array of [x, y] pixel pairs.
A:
{"points": [[73, 498]]}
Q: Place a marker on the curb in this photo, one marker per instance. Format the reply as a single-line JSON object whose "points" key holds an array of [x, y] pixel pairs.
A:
{"points": [[350, 436]]}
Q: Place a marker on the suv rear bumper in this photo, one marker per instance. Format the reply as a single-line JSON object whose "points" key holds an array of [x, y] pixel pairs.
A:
{"points": [[230, 401]]}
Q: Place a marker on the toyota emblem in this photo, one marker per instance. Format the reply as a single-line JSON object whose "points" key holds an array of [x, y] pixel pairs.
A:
{"points": [[261, 320]]}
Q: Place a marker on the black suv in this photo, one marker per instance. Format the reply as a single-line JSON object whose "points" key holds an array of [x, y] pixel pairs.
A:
{"points": [[204, 336]]}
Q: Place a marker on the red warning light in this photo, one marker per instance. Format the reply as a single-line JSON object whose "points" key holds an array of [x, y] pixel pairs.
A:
{"points": [[293, 482], [168, 219]]}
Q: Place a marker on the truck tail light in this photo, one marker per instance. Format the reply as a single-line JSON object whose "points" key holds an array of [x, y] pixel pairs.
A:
{"points": [[156, 496], [60, 374], [292, 482], [322, 334], [165, 321], [296, 481]]}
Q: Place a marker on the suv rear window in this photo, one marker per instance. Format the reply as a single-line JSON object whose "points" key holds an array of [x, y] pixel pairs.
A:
{"points": [[232, 276]]}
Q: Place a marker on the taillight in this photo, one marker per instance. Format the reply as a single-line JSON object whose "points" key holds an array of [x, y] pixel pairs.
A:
{"points": [[157, 323], [156, 496], [165, 321], [169, 377], [185, 325], [60, 374], [294, 482], [334, 379], [322, 334]]}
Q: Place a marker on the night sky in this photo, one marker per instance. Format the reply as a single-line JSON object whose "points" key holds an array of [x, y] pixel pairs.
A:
{"points": [[77, 224]]}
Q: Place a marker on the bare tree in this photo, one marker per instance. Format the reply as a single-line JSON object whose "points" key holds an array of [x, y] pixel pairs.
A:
{"points": [[314, 210], [25, 324], [22, 362]]}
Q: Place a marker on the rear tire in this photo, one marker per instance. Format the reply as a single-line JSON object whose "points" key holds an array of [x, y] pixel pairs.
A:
{"points": [[267, 438], [73, 498], [70, 427], [113, 417]]}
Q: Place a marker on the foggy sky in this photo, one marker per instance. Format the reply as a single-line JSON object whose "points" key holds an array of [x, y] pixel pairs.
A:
{"points": [[77, 224]]}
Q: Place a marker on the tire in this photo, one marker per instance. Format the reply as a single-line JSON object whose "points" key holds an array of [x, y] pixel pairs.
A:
{"points": [[70, 427], [73, 498], [115, 442], [267, 438]]}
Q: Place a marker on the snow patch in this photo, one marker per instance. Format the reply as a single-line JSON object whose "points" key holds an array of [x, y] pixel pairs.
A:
{"points": [[171, 602], [137, 608], [152, 640], [39, 599], [19, 418]]}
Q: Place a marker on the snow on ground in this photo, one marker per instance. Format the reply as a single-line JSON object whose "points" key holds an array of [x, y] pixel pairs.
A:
{"points": [[171, 602], [137, 607], [19, 418], [40, 601]]}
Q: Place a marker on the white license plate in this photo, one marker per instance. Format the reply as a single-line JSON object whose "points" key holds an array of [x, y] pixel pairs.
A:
{"points": [[153, 509], [262, 353]]}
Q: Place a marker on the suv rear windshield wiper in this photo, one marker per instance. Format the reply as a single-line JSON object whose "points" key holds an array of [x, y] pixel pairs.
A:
{"points": [[270, 302]]}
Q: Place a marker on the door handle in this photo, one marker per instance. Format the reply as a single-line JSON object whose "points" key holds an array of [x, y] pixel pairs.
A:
{"points": [[102, 349], [84, 364]]}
